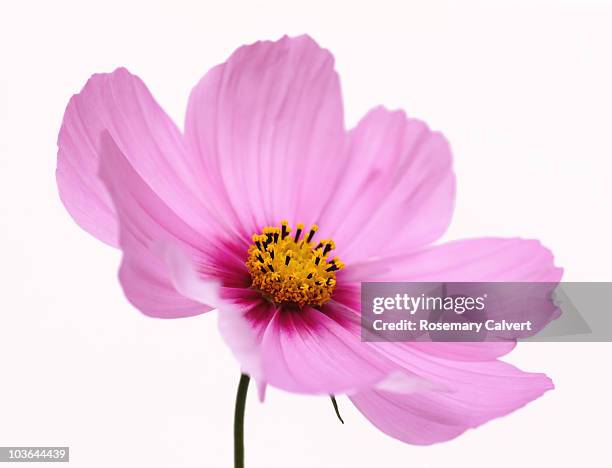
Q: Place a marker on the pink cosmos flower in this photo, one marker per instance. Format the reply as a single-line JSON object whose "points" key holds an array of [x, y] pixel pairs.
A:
{"points": [[210, 218]]}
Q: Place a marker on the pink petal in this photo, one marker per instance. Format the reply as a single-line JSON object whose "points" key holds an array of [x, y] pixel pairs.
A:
{"points": [[244, 335], [317, 352], [146, 223], [268, 127], [486, 259], [465, 351], [146, 284], [182, 269], [399, 188], [478, 392], [310, 351], [350, 298], [121, 104], [468, 387]]}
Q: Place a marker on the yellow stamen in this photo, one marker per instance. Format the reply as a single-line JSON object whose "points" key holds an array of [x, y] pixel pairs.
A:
{"points": [[293, 271]]}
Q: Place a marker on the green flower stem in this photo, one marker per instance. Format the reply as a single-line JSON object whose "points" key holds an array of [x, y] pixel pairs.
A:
{"points": [[243, 388]]}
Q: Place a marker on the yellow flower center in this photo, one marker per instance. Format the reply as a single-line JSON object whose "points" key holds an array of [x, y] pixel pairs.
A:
{"points": [[291, 270]]}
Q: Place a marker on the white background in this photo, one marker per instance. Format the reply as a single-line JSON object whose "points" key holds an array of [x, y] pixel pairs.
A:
{"points": [[522, 90]]}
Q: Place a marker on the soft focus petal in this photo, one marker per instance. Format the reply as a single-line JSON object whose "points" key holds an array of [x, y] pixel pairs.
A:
{"points": [[479, 392], [268, 127], [486, 260], [80, 188], [398, 186], [146, 284], [242, 327], [145, 223], [182, 270], [120, 104]]}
